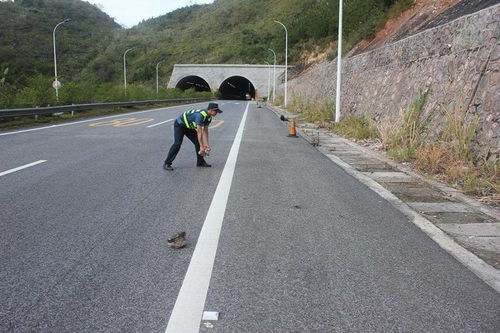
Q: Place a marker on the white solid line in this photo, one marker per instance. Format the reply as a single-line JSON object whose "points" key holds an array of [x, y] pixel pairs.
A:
{"points": [[188, 309], [21, 167], [94, 119], [163, 122]]}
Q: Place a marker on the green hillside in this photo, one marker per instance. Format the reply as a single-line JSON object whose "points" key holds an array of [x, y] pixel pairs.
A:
{"points": [[26, 46], [241, 31], [91, 46]]}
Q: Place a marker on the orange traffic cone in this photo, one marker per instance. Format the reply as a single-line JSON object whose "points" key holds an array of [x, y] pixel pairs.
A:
{"points": [[292, 131]]}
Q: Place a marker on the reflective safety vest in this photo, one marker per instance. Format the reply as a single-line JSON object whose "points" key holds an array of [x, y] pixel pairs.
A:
{"points": [[192, 124]]}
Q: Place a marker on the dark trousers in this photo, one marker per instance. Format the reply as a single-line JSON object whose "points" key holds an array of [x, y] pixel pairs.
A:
{"points": [[179, 132]]}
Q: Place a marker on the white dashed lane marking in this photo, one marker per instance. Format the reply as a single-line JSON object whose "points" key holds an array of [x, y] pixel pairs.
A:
{"points": [[21, 167], [163, 122]]}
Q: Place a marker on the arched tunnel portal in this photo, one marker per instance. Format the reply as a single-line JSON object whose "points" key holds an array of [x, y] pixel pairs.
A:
{"points": [[237, 87], [193, 82]]}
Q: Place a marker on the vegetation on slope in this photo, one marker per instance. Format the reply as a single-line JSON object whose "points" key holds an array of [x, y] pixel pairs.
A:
{"points": [[90, 48], [26, 47]]}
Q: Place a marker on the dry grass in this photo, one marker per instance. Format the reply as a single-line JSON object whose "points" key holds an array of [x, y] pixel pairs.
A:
{"points": [[319, 112], [405, 134], [278, 101], [451, 158], [356, 127], [460, 131], [431, 158]]}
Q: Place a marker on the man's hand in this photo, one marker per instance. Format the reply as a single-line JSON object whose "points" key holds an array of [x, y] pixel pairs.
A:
{"points": [[203, 151]]}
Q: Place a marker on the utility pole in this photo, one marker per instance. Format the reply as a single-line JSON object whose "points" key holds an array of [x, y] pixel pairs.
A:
{"points": [[56, 83], [274, 74], [286, 60], [125, 70], [339, 66], [157, 77]]}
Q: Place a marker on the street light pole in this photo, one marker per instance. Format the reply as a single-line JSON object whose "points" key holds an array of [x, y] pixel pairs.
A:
{"points": [[268, 79], [274, 74], [339, 66], [157, 77], [286, 59], [125, 70], [56, 82]]}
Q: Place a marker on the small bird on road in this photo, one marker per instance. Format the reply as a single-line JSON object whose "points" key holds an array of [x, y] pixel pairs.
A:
{"points": [[178, 241]]}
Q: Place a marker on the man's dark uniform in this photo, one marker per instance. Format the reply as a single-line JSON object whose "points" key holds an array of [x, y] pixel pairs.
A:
{"points": [[186, 125]]}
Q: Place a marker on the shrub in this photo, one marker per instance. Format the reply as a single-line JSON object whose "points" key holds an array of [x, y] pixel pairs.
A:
{"points": [[139, 92], [109, 92], [38, 92], [77, 93], [7, 95]]}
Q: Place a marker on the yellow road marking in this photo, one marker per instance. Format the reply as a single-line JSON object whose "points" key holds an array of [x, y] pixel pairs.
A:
{"points": [[218, 124], [136, 122], [122, 122]]}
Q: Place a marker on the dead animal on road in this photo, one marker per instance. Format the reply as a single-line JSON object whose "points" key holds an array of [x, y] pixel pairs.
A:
{"points": [[177, 241]]}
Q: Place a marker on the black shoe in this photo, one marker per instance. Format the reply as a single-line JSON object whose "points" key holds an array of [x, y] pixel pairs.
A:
{"points": [[203, 165], [168, 167]]}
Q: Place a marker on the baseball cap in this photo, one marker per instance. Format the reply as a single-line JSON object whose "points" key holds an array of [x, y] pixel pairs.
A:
{"points": [[214, 106]]}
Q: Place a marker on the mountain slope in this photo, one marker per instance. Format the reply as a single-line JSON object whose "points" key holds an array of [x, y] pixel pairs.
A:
{"points": [[26, 30], [239, 31]]}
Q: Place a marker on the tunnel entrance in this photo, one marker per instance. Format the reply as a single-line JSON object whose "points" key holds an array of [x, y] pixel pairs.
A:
{"points": [[193, 82], [237, 87]]}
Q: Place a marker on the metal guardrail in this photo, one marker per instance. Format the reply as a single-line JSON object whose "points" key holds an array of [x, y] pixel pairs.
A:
{"points": [[5, 113]]}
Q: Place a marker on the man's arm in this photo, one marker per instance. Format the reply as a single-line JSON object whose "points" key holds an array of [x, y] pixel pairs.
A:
{"points": [[199, 133], [205, 133]]}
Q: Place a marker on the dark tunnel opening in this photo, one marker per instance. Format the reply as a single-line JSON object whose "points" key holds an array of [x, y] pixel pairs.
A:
{"points": [[237, 87], [190, 82]]}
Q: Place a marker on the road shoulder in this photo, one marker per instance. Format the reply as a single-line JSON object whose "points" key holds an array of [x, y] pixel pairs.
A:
{"points": [[465, 228]]}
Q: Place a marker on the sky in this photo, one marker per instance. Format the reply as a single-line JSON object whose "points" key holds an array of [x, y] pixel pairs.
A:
{"points": [[130, 12]]}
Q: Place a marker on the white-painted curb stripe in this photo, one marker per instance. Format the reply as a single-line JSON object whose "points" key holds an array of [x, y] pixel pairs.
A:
{"points": [[188, 309], [21, 167], [163, 122]]}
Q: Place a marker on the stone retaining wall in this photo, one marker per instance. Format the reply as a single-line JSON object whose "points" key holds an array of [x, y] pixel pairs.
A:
{"points": [[458, 62]]}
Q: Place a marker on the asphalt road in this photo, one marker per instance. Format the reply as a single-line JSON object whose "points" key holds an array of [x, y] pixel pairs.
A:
{"points": [[303, 246]]}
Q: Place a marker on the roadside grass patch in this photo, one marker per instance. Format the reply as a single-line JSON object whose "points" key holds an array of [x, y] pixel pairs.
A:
{"points": [[405, 134], [278, 101], [451, 158], [356, 127], [318, 112]]}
